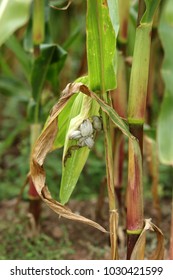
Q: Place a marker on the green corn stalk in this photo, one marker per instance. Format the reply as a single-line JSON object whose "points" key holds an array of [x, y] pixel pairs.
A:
{"points": [[38, 22], [119, 97], [136, 119], [153, 67], [35, 202], [119, 102], [123, 19], [35, 128]]}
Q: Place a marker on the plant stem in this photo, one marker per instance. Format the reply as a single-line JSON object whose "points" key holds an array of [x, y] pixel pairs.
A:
{"points": [[119, 101], [123, 30], [101, 71], [137, 131], [35, 201], [108, 149], [38, 38], [136, 116], [110, 183], [134, 201], [139, 75], [38, 22]]}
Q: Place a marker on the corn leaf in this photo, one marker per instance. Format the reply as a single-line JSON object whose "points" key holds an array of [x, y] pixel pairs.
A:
{"points": [[13, 14], [151, 7], [139, 249], [101, 46], [11, 86], [114, 14], [165, 132], [14, 44], [50, 54], [63, 122]]}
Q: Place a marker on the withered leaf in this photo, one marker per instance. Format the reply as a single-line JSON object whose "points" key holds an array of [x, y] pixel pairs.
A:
{"points": [[140, 246], [113, 221]]}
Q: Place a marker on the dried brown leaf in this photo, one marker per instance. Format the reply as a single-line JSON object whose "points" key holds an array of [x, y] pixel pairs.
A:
{"points": [[113, 221], [139, 249]]}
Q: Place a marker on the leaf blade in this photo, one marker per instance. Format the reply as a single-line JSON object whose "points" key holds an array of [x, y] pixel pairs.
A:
{"points": [[50, 54], [13, 14], [101, 47]]}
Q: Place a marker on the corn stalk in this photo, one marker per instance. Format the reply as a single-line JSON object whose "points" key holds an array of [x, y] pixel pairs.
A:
{"points": [[101, 45], [136, 119], [35, 128]]}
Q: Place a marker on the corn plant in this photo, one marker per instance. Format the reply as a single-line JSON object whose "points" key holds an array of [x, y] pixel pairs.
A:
{"points": [[112, 99], [38, 54], [93, 99]]}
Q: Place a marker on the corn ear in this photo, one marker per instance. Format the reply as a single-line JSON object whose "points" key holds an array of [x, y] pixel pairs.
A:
{"points": [[74, 155], [73, 106], [64, 119]]}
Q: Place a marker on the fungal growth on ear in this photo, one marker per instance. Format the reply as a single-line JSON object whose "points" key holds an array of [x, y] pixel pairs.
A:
{"points": [[86, 131]]}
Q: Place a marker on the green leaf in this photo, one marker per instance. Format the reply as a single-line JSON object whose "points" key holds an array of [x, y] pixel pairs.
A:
{"points": [[72, 37], [101, 46], [165, 132], [71, 173], [114, 15], [27, 40], [50, 54], [5, 68], [151, 7], [11, 86], [13, 14], [10, 138], [13, 44]]}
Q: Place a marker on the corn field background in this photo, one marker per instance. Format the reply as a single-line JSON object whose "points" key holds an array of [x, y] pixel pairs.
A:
{"points": [[86, 139]]}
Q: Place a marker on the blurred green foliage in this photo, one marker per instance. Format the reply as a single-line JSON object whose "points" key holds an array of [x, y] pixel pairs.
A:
{"points": [[67, 29]]}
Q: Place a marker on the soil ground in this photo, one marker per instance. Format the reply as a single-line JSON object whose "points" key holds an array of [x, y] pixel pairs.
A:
{"points": [[69, 239]]}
